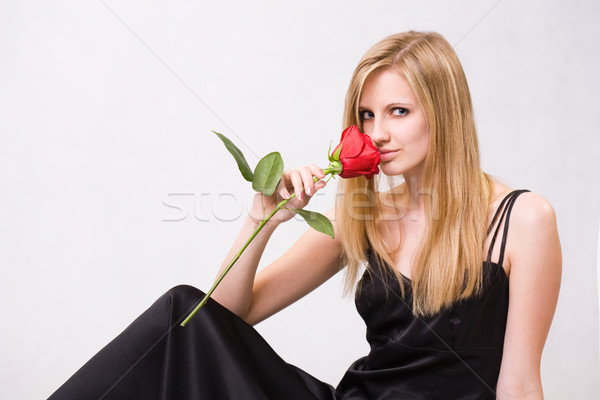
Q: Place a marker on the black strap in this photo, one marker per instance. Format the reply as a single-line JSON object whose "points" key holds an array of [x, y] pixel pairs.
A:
{"points": [[509, 201]]}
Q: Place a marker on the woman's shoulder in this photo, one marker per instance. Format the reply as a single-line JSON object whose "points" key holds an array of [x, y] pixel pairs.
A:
{"points": [[532, 224], [531, 212], [533, 233]]}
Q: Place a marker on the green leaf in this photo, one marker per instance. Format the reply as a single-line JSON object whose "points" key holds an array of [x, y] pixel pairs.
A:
{"points": [[317, 221], [239, 157], [267, 173], [336, 156]]}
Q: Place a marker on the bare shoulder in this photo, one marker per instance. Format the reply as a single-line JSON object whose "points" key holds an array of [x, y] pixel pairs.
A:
{"points": [[533, 232], [532, 213]]}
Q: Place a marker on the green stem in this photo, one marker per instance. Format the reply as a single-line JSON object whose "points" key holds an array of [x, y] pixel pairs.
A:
{"points": [[239, 253]]}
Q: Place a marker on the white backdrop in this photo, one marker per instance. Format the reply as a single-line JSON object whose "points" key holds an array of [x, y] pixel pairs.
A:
{"points": [[112, 188]]}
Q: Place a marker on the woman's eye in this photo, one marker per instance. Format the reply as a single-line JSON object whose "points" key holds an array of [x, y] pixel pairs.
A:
{"points": [[400, 111], [365, 115]]}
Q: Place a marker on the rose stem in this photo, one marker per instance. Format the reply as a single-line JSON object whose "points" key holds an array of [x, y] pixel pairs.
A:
{"points": [[239, 253]]}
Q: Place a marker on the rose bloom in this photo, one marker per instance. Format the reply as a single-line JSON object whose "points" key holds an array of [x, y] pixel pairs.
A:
{"points": [[357, 154]]}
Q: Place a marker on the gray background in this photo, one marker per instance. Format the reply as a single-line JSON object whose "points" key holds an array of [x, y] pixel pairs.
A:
{"points": [[113, 189]]}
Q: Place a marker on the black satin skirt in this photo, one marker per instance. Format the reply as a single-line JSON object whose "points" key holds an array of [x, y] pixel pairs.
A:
{"points": [[216, 356]]}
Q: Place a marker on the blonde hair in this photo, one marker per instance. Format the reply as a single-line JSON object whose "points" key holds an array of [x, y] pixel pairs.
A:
{"points": [[448, 262]]}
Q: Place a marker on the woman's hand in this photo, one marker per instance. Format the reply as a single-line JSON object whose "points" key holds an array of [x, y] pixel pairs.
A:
{"points": [[298, 181]]}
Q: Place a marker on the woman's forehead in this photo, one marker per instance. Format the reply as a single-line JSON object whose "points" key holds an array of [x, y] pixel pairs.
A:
{"points": [[386, 86]]}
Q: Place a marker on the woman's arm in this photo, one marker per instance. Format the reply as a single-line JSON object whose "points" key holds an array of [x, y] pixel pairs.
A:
{"points": [[308, 263], [534, 255], [312, 260]]}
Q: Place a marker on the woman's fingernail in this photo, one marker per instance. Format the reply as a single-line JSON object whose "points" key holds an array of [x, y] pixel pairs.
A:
{"points": [[286, 196], [308, 191]]}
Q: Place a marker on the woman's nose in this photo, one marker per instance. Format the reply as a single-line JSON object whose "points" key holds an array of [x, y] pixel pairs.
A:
{"points": [[378, 132]]}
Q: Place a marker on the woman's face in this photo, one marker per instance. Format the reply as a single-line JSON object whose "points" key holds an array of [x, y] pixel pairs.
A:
{"points": [[395, 123]]}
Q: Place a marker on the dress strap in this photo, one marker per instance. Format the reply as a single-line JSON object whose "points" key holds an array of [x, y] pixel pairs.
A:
{"points": [[505, 208]]}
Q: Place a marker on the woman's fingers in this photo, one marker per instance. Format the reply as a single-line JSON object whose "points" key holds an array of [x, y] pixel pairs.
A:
{"points": [[283, 191], [320, 185], [307, 181], [301, 180], [316, 171], [296, 180]]}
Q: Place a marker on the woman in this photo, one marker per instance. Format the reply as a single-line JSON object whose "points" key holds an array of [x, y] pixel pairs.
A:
{"points": [[435, 292]]}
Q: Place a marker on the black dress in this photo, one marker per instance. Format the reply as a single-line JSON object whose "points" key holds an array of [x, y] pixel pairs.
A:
{"points": [[454, 355]]}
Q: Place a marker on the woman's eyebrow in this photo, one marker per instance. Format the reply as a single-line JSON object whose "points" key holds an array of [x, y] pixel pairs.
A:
{"points": [[391, 105]]}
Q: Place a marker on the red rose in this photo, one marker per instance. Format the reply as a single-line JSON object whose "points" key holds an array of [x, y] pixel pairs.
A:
{"points": [[354, 156], [357, 154]]}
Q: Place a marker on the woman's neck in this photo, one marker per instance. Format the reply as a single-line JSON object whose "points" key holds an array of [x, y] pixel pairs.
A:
{"points": [[416, 194]]}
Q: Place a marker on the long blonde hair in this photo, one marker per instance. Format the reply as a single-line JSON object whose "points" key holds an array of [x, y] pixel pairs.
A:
{"points": [[448, 262]]}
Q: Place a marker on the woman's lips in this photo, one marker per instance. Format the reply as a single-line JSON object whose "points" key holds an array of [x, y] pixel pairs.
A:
{"points": [[387, 154]]}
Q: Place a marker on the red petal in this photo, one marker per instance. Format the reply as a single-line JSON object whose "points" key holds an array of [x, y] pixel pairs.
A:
{"points": [[353, 143], [358, 155]]}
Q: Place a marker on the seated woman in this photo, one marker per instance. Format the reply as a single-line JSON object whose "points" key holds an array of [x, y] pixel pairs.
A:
{"points": [[457, 304]]}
